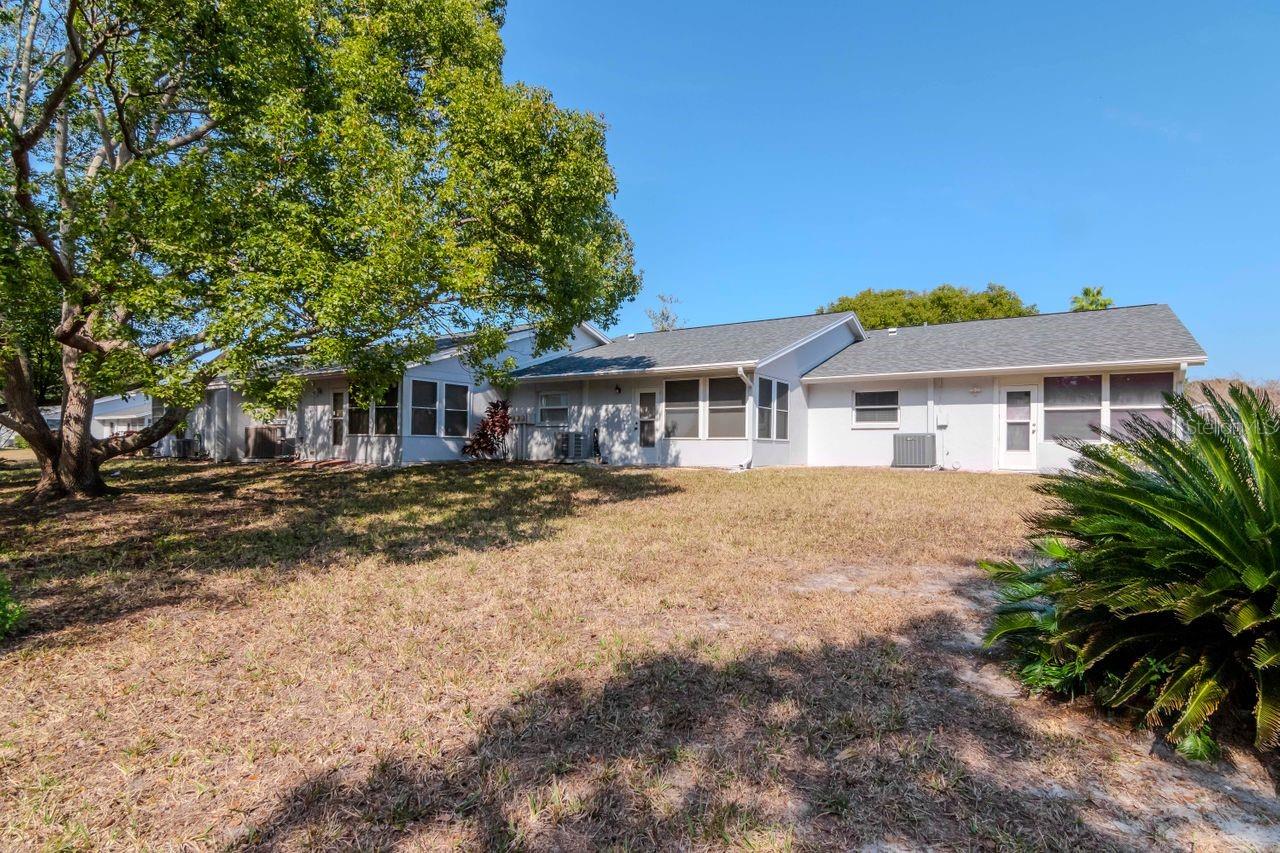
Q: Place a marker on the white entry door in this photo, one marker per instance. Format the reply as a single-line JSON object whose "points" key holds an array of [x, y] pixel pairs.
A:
{"points": [[647, 424], [1018, 427]]}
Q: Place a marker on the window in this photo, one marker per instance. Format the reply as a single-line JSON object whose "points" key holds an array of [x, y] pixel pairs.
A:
{"points": [[423, 408], [875, 408], [1134, 394], [764, 410], [386, 414], [339, 418], [682, 409], [357, 419], [783, 407], [1072, 406], [726, 408], [455, 410], [553, 407]]}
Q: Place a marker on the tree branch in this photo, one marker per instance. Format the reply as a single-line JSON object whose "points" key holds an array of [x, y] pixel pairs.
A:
{"points": [[58, 96], [184, 139], [118, 445], [24, 415]]}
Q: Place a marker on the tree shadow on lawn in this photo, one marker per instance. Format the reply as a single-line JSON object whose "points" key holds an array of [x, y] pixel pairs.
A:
{"points": [[835, 747], [78, 563]]}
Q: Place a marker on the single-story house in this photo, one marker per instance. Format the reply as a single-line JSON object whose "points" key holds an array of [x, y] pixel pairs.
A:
{"points": [[810, 390]]}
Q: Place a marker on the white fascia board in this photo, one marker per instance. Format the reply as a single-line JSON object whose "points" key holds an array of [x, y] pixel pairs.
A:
{"points": [[1008, 371], [322, 372], [647, 371], [857, 330], [595, 332]]}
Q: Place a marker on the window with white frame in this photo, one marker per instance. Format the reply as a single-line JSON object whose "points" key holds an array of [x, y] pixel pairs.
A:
{"points": [[553, 407], [875, 408], [1139, 394], [456, 412], [772, 409], [726, 408], [782, 406], [1072, 406], [681, 409], [424, 403], [764, 409]]}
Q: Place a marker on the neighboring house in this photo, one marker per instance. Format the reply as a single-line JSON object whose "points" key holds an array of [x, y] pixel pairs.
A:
{"points": [[119, 413], [810, 390], [52, 416]]}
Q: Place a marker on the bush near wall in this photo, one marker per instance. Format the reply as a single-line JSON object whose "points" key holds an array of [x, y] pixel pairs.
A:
{"points": [[1157, 585]]}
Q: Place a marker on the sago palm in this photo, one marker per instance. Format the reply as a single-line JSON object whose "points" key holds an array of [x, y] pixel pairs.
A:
{"points": [[1159, 570]]}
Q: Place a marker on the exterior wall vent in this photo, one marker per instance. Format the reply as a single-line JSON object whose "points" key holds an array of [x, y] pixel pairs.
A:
{"points": [[914, 450]]}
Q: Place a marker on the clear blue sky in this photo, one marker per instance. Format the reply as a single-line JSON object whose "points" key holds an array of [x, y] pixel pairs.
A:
{"points": [[771, 157]]}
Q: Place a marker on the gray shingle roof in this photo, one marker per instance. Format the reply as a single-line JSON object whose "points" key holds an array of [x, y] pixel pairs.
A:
{"points": [[703, 345], [1140, 333]]}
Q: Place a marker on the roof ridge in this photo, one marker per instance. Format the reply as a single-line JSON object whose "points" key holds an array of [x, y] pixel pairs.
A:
{"points": [[1023, 316], [734, 323]]}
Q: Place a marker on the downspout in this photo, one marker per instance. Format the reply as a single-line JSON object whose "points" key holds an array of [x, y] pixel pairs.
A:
{"points": [[751, 439]]}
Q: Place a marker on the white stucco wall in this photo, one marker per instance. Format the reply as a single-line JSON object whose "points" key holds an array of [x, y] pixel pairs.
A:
{"points": [[834, 439], [439, 447], [966, 418], [789, 368]]}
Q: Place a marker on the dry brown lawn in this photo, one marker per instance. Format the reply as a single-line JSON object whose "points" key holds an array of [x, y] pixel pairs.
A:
{"points": [[494, 657]]}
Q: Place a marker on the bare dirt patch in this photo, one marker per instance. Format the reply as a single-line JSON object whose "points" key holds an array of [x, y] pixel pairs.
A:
{"points": [[552, 658]]}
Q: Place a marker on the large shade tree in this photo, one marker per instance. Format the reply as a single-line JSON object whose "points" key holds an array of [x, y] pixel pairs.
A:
{"points": [[195, 189]]}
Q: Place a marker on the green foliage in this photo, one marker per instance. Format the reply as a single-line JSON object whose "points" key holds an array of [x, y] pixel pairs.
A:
{"points": [[29, 307], [1199, 746], [11, 612], [280, 184], [1091, 299], [946, 303], [1157, 584]]}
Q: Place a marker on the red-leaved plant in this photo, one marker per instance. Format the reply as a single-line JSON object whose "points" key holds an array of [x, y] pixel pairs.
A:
{"points": [[489, 439]]}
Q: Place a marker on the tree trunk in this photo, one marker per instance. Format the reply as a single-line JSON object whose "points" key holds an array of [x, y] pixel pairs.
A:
{"points": [[48, 487], [77, 463], [70, 457]]}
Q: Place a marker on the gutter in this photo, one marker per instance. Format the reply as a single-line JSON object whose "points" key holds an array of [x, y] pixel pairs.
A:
{"points": [[751, 439], [1007, 371], [643, 371]]}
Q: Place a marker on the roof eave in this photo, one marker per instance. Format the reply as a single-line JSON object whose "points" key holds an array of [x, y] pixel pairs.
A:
{"points": [[1176, 361], [595, 332], [856, 328], [645, 371]]}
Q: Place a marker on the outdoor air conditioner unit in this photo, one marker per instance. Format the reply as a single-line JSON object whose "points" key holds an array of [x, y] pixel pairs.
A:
{"points": [[914, 450], [571, 446]]}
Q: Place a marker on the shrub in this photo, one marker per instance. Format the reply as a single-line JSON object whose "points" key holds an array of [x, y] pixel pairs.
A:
{"points": [[489, 439], [1158, 574], [11, 611]]}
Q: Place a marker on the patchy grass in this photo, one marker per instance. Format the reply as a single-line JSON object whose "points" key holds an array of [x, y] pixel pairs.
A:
{"points": [[551, 657]]}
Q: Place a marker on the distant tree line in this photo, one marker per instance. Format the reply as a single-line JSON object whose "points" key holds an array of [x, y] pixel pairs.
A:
{"points": [[948, 303]]}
